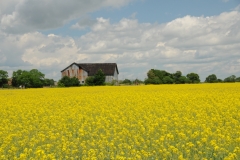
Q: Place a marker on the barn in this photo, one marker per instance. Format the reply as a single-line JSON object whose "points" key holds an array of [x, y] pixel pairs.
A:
{"points": [[84, 70]]}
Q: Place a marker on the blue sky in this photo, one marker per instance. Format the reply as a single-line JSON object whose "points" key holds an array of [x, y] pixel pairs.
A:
{"points": [[151, 11], [191, 36], [160, 11]]}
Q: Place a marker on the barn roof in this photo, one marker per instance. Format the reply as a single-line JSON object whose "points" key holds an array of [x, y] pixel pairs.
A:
{"points": [[92, 68]]}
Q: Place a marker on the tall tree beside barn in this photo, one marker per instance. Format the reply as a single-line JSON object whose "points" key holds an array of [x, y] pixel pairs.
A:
{"points": [[99, 78]]}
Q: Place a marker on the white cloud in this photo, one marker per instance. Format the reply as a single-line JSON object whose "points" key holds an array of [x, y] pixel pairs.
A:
{"points": [[21, 16], [204, 45]]}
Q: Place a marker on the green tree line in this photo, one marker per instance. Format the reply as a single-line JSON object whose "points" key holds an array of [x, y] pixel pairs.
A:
{"points": [[130, 82], [23, 78], [213, 79], [36, 79], [156, 76]]}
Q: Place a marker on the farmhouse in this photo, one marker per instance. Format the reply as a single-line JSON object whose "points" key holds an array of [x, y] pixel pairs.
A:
{"points": [[83, 70]]}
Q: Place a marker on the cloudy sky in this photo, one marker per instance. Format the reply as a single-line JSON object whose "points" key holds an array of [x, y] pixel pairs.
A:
{"points": [[200, 36]]}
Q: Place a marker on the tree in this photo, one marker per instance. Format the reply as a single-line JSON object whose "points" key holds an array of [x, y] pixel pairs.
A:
{"points": [[36, 78], [67, 81], [231, 78], [126, 81], [155, 80], [161, 74], [16, 78], [99, 78], [176, 76], [48, 82], [24, 79], [32, 78], [75, 81], [183, 80], [168, 80], [3, 77], [211, 78], [193, 77], [137, 81], [59, 84], [237, 79], [89, 81], [157, 77], [150, 74]]}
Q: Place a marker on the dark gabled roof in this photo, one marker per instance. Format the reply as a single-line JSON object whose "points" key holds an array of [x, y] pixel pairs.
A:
{"points": [[69, 66], [92, 68]]}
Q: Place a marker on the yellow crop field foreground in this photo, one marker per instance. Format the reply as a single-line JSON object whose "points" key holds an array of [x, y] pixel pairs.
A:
{"points": [[200, 121]]}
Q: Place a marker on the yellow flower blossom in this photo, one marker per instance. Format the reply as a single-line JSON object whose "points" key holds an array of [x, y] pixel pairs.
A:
{"points": [[190, 121]]}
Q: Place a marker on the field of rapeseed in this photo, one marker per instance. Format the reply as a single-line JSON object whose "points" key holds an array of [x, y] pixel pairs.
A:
{"points": [[128, 122]]}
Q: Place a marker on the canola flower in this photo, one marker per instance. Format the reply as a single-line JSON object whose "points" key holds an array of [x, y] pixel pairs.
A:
{"points": [[198, 121]]}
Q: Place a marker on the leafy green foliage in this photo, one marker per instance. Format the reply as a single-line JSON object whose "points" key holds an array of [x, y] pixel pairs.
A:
{"points": [[75, 81], [97, 80], [137, 81], [167, 80], [6, 86], [211, 78], [127, 81], [36, 78], [231, 78], [154, 80], [69, 82], [164, 77], [179, 79], [48, 82], [193, 78], [32, 78], [89, 81], [183, 80], [16, 78], [237, 79], [3, 77], [59, 84], [66, 81], [151, 74]]}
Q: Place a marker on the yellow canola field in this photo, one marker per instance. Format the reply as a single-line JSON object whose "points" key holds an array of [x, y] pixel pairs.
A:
{"points": [[199, 121]]}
